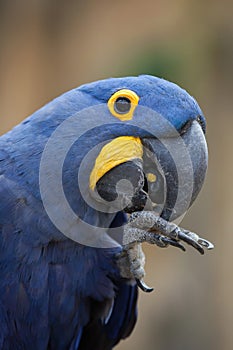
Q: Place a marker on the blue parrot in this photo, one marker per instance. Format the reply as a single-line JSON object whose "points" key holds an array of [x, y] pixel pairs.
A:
{"points": [[80, 181]]}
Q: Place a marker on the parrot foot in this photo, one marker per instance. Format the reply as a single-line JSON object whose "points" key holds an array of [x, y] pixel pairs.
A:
{"points": [[147, 227], [132, 259], [131, 264]]}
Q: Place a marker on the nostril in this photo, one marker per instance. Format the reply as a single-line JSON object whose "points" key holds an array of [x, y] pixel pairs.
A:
{"points": [[185, 127], [201, 120]]}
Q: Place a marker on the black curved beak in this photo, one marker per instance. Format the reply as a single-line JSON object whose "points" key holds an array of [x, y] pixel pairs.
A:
{"points": [[179, 165], [168, 178]]}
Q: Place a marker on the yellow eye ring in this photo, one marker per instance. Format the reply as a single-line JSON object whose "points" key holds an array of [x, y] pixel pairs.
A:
{"points": [[123, 103]]}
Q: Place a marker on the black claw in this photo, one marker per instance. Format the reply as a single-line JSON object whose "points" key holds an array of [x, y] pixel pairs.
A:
{"points": [[142, 285], [174, 243], [189, 240]]}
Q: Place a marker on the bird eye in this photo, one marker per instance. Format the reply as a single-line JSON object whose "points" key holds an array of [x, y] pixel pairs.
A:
{"points": [[123, 103]]}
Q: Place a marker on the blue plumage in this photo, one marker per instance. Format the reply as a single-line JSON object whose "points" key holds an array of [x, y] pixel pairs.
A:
{"points": [[54, 292]]}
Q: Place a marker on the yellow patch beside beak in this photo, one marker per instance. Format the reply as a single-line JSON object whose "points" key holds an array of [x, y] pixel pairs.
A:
{"points": [[118, 151]]}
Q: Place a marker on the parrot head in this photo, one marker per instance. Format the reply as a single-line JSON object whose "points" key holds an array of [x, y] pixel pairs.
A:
{"points": [[154, 155]]}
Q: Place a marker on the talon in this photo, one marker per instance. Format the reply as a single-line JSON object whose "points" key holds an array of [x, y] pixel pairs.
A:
{"points": [[206, 244], [189, 240], [173, 243], [142, 285]]}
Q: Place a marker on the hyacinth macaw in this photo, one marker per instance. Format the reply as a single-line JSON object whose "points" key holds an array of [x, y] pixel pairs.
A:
{"points": [[83, 181]]}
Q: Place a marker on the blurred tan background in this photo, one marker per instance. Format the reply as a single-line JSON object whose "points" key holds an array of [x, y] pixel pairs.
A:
{"points": [[50, 46]]}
